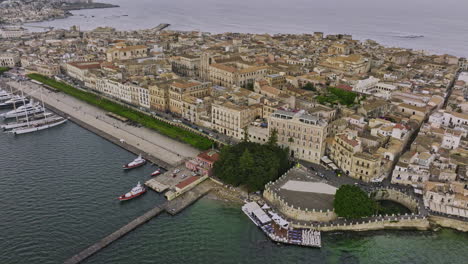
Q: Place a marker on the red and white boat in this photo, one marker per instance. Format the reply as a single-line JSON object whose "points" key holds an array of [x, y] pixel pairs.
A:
{"points": [[156, 172], [135, 192], [135, 163]]}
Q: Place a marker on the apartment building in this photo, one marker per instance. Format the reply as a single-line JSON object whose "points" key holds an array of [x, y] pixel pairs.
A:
{"points": [[235, 74], [9, 60], [303, 133], [186, 65], [347, 153], [79, 70], [231, 118], [180, 88]]}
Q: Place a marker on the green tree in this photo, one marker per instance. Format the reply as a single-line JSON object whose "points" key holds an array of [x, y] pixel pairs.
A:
{"points": [[352, 202], [246, 134], [309, 87], [251, 164], [273, 139]]}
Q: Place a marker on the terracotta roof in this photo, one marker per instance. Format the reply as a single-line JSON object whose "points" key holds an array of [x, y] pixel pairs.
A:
{"points": [[210, 156], [351, 142], [187, 182], [86, 64], [271, 90], [184, 85], [344, 87], [224, 67]]}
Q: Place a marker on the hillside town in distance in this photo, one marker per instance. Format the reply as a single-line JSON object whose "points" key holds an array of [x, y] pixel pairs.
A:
{"points": [[349, 111]]}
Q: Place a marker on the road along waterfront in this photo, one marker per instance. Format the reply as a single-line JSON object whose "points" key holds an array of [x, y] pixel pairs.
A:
{"points": [[149, 142]]}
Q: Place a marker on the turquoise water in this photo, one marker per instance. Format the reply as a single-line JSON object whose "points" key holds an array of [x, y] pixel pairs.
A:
{"points": [[59, 190]]}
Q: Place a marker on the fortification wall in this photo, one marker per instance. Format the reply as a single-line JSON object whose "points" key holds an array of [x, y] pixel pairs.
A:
{"points": [[297, 213], [397, 196], [397, 223]]}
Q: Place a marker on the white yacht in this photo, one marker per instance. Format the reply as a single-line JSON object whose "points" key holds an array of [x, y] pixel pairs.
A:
{"points": [[24, 110], [14, 101], [35, 128], [4, 96], [41, 119]]}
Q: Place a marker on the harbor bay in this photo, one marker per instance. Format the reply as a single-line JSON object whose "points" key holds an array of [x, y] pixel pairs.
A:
{"points": [[66, 200], [172, 145]]}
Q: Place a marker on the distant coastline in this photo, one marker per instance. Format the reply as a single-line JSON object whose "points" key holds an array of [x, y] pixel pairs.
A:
{"points": [[81, 6]]}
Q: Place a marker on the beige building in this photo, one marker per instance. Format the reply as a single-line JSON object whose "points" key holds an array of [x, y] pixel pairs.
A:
{"points": [[179, 89], [346, 152], [348, 64], [304, 134], [123, 52], [9, 60], [48, 69], [79, 70], [231, 119], [235, 74], [159, 95], [276, 80], [448, 198], [186, 65]]}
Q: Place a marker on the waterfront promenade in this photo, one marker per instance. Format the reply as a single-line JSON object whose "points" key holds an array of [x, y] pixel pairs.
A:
{"points": [[149, 142]]}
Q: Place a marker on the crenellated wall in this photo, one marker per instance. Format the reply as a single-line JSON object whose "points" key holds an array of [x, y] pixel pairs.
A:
{"points": [[397, 196]]}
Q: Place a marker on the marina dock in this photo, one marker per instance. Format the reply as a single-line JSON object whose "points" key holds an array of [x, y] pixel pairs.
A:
{"points": [[154, 147]]}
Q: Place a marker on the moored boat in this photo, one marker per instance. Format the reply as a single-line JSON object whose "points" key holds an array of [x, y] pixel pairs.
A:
{"points": [[24, 110], [135, 192], [139, 161], [156, 172], [32, 122], [34, 128], [15, 101], [4, 96]]}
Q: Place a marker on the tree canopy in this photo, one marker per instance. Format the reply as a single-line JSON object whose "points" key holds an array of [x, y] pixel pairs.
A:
{"points": [[352, 202], [252, 164], [309, 87]]}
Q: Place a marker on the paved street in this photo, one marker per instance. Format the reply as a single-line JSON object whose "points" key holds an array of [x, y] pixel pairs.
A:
{"points": [[166, 149]]}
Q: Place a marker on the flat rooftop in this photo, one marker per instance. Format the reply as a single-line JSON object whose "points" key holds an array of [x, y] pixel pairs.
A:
{"points": [[305, 189]]}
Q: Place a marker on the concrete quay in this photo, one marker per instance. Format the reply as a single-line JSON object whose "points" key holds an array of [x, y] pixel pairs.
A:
{"points": [[172, 207], [186, 199], [114, 236], [155, 147]]}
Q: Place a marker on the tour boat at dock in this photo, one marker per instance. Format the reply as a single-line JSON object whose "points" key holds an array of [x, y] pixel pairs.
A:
{"points": [[156, 172], [135, 192], [139, 161]]}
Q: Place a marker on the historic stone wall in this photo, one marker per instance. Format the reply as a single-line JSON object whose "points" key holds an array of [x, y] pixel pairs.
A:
{"points": [[299, 214], [397, 196], [409, 222]]}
